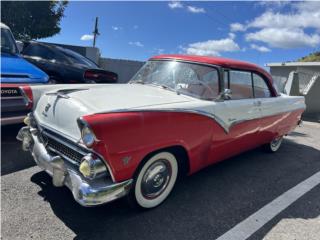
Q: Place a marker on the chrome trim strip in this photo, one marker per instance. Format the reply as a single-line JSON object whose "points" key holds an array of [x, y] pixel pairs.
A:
{"points": [[12, 120], [13, 98], [182, 110], [226, 127]]}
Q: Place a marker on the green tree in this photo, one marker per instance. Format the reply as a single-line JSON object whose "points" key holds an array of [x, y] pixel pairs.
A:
{"points": [[312, 57], [33, 19]]}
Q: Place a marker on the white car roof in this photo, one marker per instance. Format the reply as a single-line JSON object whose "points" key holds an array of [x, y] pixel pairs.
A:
{"points": [[2, 25]]}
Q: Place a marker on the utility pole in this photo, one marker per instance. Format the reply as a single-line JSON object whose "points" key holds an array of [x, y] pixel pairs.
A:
{"points": [[95, 32]]}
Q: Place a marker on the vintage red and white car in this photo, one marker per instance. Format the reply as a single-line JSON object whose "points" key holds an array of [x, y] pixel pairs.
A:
{"points": [[176, 116]]}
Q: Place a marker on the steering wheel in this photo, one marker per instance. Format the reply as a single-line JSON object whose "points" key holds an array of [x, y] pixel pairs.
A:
{"points": [[198, 82]]}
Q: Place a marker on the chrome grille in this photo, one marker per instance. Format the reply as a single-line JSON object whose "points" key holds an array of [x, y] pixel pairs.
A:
{"points": [[62, 147]]}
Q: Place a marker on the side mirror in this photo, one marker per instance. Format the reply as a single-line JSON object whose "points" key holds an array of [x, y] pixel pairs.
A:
{"points": [[226, 94]]}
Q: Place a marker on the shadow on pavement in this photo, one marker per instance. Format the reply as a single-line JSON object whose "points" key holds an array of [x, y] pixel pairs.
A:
{"points": [[10, 146], [202, 206]]}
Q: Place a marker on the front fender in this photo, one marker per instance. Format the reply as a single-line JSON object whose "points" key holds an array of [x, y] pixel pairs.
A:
{"points": [[125, 138]]}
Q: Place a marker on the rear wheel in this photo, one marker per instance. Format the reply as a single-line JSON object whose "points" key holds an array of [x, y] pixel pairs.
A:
{"points": [[274, 145], [154, 181]]}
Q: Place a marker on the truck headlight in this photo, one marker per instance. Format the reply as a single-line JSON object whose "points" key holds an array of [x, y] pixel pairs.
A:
{"points": [[88, 137], [92, 167]]}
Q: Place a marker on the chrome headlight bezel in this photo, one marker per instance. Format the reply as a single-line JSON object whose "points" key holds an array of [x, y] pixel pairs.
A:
{"points": [[88, 137], [92, 167]]}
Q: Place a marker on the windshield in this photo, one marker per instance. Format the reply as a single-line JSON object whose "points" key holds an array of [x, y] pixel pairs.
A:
{"points": [[8, 44], [77, 58], [187, 78]]}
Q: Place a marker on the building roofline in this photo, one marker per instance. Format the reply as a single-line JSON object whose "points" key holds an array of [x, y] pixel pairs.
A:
{"points": [[293, 64]]}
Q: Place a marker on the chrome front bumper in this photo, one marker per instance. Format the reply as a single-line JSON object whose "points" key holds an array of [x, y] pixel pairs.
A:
{"points": [[86, 192]]}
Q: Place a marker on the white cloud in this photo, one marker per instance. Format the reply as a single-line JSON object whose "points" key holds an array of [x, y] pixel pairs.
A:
{"points": [[232, 35], [273, 4], [115, 28], [297, 26], [305, 19], [284, 38], [86, 37], [212, 47], [260, 48], [137, 44], [195, 9], [175, 4], [237, 27]]}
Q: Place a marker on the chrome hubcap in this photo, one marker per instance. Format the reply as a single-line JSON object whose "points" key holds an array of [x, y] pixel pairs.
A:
{"points": [[156, 179], [276, 142]]}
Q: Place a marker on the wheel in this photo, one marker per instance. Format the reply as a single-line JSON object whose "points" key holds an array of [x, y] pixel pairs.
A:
{"points": [[274, 145], [154, 181]]}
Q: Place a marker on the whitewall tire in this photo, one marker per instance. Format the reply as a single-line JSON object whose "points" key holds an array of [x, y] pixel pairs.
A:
{"points": [[155, 180], [274, 145]]}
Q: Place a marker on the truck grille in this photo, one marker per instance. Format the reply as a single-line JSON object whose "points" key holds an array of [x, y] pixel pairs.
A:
{"points": [[63, 147], [7, 92]]}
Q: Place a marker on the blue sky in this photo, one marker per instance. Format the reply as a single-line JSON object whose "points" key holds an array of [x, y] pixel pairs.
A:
{"points": [[259, 32]]}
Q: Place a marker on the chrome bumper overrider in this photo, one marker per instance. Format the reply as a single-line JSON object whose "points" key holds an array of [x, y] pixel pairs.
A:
{"points": [[87, 192]]}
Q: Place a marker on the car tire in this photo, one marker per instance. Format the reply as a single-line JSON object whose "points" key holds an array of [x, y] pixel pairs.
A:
{"points": [[274, 145], [154, 181]]}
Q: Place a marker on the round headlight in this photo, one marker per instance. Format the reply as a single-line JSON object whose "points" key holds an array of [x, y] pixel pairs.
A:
{"points": [[91, 167], [88, 136]]}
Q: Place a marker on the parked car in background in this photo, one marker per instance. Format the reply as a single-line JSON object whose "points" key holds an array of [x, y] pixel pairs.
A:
{"points": [[16, 72], [64, 65], [178, 115]]}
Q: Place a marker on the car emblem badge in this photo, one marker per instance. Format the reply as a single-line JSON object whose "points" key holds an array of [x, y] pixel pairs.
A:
{"points": [[46, 109], [126, 160]]}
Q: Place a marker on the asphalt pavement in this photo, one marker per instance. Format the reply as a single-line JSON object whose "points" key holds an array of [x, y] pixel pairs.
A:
{"points": [[205, 205]]}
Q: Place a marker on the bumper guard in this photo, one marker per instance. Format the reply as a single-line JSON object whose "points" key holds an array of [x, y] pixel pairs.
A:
{"points": [[87, 192]]}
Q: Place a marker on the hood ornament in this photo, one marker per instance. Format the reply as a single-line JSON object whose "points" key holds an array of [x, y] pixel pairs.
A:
{"points": [[63, 92]]}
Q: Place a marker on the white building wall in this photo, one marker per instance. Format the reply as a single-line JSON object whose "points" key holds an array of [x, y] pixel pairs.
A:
{"points": [[124, 68]]}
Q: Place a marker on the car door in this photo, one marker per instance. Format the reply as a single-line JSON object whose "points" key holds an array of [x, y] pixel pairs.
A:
{"points": [[240, 117], [271, 109]]}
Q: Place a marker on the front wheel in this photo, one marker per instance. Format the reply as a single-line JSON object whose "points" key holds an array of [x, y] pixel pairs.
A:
{"points": [[155, 180], [274, 145]]}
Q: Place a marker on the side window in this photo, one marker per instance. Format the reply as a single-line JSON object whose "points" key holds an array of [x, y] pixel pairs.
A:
{"points": [[241, 84], [226, 79], [261, 89], [38, 51]]}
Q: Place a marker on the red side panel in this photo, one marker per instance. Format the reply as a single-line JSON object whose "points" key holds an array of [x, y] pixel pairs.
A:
{"points": [[135, 134], [126, 138]]}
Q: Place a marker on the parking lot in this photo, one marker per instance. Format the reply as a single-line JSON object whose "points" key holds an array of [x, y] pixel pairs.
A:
{"points": [[203, 206]]}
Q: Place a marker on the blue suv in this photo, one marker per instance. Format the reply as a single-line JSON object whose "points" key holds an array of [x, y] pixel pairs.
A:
{"points": [[15, 73]]}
